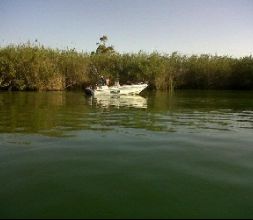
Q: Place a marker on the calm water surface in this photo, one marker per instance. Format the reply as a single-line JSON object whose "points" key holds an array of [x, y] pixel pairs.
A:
{"points": [[186, 155]]}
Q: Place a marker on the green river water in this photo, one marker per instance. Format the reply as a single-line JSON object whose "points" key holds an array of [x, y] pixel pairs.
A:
{"points": [[185, 155]]}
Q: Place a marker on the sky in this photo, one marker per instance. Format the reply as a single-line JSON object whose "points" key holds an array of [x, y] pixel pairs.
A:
{"points": [[223, 27]]}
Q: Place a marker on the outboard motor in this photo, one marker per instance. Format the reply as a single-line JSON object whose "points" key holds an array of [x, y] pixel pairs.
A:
{"points": [[88, 91]]}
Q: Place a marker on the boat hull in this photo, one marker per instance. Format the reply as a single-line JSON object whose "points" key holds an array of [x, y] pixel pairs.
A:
{"points": [[117, 90], [132, 89]]}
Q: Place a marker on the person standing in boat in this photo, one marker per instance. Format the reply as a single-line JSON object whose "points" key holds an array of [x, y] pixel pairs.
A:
{"points": [[102, 81], [107, 81]]}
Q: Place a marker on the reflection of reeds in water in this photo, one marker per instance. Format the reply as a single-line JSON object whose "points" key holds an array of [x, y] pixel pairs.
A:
{"points": [[63, 113], [29, 112], [120, 101]]}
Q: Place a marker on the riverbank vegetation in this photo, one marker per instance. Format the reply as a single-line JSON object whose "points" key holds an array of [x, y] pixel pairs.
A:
{"points": [[34, 67]]}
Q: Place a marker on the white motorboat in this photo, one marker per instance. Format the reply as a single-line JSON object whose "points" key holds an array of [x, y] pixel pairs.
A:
{"points": [[114, 90]]}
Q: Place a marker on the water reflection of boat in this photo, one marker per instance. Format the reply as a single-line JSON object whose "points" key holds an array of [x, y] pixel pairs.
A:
{"points": [[119, 101]]}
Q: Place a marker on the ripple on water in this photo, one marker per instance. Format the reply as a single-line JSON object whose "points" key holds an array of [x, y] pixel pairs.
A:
{"points": [[166, 157]]}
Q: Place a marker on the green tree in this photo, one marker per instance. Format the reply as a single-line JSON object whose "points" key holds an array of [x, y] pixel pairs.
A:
{"points": [[103, 48]]}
